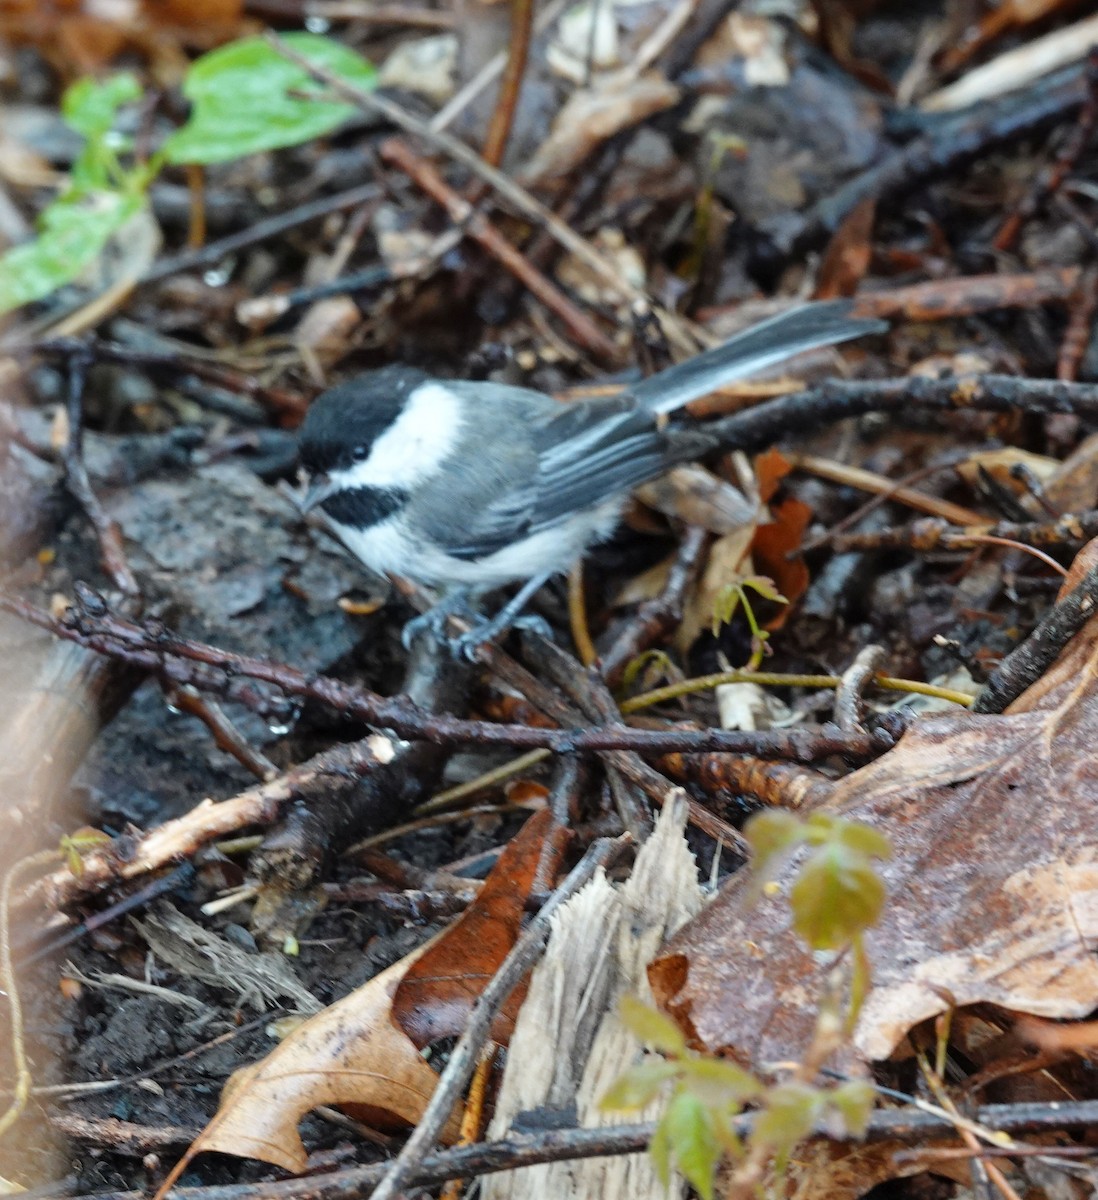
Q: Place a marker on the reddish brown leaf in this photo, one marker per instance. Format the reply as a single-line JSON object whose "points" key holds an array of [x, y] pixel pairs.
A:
{"points": [[771, 467], [435, 996], [992, 888], [848, 254], [770, 551]]}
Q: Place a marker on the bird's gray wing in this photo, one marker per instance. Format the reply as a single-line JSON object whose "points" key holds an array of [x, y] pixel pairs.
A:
{"points": [[592, 451], [574, 457]]}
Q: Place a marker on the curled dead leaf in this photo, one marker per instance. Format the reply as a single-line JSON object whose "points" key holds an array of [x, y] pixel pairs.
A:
{"points": [[351, 1053]]}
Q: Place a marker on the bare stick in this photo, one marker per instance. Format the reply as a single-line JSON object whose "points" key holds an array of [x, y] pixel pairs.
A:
{"points": [[478, 227], [499, 130], [208, 668]]}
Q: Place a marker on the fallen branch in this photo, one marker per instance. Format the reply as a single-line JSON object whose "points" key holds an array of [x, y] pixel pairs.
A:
{"points": [[560, 1145], [154, 649]]}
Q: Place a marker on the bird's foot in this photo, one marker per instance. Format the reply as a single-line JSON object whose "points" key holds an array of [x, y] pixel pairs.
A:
{"points": [[487, 629], [435, 619]]}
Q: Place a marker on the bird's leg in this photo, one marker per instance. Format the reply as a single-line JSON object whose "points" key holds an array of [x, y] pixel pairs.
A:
{"points": [[508, 617], [453, 603]]}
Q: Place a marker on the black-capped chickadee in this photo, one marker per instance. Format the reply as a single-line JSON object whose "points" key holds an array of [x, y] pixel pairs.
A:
{"points": [[467, 486]]}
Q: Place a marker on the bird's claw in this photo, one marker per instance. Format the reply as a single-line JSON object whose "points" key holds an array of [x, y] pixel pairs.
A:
{"points": [[434, 621], [466, 644]]}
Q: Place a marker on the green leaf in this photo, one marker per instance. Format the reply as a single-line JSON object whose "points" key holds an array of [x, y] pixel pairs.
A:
{"points": [[72, 235], [788, 1117], [718, 1082], [725, 605], [765, 587], [659, 1151], [772, 833], [640, 1085], [862, 838], [837, 895], [854, 1101], [694, 1141], [90, 107], [248, 98], [651, 1026]]}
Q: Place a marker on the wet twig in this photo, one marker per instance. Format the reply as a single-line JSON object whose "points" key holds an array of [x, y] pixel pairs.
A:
{"points": [[225, 734], [930, 534], [260, 231], [1024, 665], [855, 679], [208, 668], [656, 619], [558, 1145], [838, 399], [129, 857], [589, 693]]}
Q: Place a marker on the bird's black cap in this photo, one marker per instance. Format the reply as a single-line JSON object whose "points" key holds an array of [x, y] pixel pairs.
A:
{"points": [[346, 420]]}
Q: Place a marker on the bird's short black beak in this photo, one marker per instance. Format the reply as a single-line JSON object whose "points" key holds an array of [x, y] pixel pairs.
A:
{"points": [[319, 489]]}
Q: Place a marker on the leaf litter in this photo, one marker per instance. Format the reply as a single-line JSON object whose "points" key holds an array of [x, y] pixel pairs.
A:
{"points": [[992, 886]]}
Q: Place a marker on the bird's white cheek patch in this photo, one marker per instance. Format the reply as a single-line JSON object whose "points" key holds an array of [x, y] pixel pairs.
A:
{"points": [[415, 445]]}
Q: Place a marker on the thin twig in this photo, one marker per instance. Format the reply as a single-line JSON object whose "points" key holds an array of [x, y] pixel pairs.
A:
{"points": [[490, 72], [219, 671], [839, 399], [261, 231], [559, 1145], [930, 533], [1024, 665], [523, 201], [658, 618], [855, 679], [482, 231], [499, 128]]}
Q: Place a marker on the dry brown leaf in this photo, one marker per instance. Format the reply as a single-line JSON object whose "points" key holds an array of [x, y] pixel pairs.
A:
{"points": [[992, 888], [592, 115], [771, 467], [351, 1053], [695, 496], [435, 995]]}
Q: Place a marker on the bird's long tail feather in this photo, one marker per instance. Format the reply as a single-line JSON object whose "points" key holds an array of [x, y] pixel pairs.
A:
{"points": [[812, 325]]}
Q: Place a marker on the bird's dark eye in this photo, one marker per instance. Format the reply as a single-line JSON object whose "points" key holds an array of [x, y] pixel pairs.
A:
{"points": [[361, 454]]}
